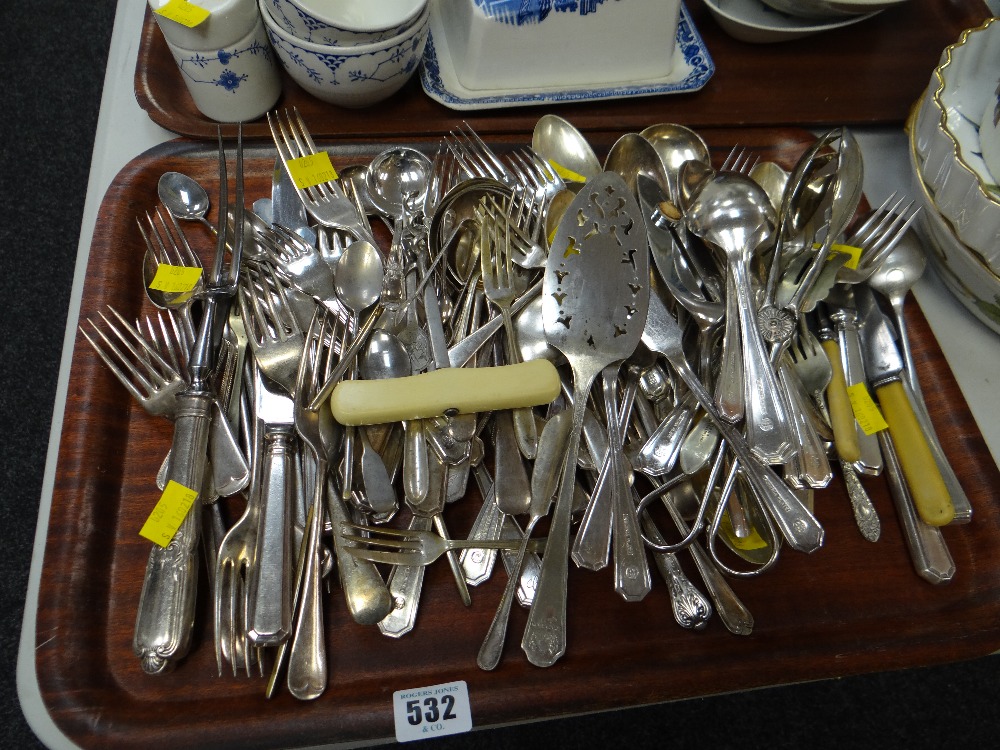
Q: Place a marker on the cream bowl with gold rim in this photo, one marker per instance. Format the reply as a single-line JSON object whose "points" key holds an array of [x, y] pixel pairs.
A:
{"points": [[966, 274], [947, 142]]}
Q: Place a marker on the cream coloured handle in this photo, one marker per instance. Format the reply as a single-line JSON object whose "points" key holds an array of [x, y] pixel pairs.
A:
{"points": [[432, 394]]}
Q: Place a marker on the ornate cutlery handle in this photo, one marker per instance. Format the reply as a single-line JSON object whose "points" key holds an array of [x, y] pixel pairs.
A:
{"points": [[166, 605]]}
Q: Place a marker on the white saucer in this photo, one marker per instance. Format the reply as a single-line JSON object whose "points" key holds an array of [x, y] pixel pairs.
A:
{"points": [[753, 21], [692, 67]]}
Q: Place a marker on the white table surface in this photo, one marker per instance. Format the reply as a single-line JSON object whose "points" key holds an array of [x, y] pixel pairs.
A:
{"points": [[124, 131]]}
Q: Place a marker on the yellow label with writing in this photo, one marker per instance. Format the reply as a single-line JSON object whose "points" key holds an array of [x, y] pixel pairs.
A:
{"points": [[854, 254], [566, 174], [184, 12], [310, 171], [865, 410], [753, 541], [168, 514], [175, 279]]}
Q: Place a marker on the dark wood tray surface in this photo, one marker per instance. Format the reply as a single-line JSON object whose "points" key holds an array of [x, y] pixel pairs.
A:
{"points": [[866, 74], [851, 607]]}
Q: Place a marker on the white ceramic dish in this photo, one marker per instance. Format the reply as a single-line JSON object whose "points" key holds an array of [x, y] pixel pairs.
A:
{"points": [[343, 24], [967, 275], [830, 9], [504, 44], [947, 138], [350, 76], [753, 21], [692, 68]]}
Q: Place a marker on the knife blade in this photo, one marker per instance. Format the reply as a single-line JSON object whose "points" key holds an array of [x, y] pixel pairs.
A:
{"points": [[884, 368], [287, 209]]}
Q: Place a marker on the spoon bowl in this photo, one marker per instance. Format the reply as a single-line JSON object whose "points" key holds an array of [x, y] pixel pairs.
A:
{"points": [[676, 144], [397, 179], [184, 197], [358, 280], [631, 156], [384, 357], [561, 144]]}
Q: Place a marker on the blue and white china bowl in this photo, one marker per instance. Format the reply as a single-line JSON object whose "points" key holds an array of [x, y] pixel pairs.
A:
{"points": [[345, 23], [948, 143], [234, 83], [517, 44], [356, 76]]}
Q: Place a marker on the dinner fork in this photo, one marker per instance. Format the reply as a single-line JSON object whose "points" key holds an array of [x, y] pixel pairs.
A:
{"points": [[325, 201], [477, 158], [273, 331], [234, 560], [503, 282], [416, 546], [153, 381], [166, 244]]}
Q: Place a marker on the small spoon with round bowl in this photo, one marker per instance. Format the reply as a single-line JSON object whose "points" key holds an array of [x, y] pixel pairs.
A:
{"points": [[565, 148], [676, 144], [184, 197]]}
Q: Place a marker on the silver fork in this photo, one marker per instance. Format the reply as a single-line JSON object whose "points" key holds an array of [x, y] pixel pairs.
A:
{"points": [[325, 202], [166, 244], [302, 264], [877, 236], [275, 335], [235, 558], [739, 161], [502, 283], [531, 169], [525, 226], [416, 546], [477, 158], [146, 374]]}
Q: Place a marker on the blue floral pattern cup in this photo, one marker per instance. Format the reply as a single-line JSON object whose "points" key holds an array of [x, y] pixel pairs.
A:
{"points": [[239, 82]]}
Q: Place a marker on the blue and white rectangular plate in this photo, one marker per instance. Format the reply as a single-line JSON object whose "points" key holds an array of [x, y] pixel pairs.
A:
{"points": [[692, 68]]}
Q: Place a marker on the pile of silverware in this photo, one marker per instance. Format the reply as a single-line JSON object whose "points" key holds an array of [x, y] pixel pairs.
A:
{"points": [[344, 390]]}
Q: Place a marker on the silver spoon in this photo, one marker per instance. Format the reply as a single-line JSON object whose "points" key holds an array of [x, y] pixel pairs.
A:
{"points": [[563, 146], [676, 144], [733, 213], [184, 197]]}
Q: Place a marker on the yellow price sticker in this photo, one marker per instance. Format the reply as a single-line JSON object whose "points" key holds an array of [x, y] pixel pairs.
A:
{"points": [[566, 174], [185, 13], [175, 279], [865, 411], [753, 541], [310, 171], [853, 253], [168, 514]]}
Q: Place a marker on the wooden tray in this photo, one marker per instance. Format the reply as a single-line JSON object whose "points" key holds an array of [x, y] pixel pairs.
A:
{"points": [[866, 74], [849, 608]]}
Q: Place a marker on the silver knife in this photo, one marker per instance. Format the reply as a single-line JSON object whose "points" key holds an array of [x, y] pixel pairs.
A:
{"points": [[884, 367], [287, 209]]}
